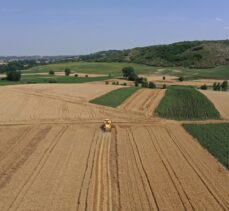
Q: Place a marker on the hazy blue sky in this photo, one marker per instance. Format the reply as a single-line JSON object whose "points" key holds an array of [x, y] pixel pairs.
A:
{"points": [[54, 27]]}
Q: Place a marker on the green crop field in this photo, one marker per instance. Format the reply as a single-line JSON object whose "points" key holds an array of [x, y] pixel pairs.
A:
{"points": [[92, 68], [41, 79], [115, 98], [221, 72], [213, 137], [186, 103]]}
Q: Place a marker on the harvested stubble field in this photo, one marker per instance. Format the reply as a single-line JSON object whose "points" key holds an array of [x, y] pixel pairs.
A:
{"points": [[53, 156], [144, 101], [220, 100]]}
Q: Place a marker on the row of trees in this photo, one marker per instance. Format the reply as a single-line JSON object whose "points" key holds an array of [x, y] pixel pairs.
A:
{"points": [[129, 74], [220, 87], [217, 86]]}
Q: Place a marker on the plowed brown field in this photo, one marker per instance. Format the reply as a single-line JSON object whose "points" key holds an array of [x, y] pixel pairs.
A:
{"points": [[220, 100], [59, 159]]}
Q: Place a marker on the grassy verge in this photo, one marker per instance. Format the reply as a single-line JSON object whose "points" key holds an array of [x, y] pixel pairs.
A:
{"points": [[213, 137], [186, 103], [115, 98], [46, 79]]}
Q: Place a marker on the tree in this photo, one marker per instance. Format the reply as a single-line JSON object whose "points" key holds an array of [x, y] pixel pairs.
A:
{"points": [[204, 87], [163, 78], [13, 75], [181, 78], [224, 86], [67, 71], [51, 72], [145, 84], [127, 71], [164, 86], [136, 83], [132, 77], [152, 85], [218, 87]]}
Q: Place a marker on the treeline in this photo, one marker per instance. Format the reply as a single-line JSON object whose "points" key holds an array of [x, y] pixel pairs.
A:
{"points": [[19, 65], [217, 86]]}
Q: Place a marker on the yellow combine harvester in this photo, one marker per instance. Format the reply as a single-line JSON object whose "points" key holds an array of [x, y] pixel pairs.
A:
{"points": [[107, 125]]}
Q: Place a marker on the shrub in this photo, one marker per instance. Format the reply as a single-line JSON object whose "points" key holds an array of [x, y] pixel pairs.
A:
{"points": [[76, 75], [117, 83], [86, 76], [181, 78], [13, 75], [204, 87], [106, 82], [152, 85], [164, 86], [51, 72], [163, 78], [52, 80], [113, 82], [125, 84], [67, 71]]}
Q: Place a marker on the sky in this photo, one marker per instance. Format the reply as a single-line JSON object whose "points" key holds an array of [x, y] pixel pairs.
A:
{"points": [[73, 27]]}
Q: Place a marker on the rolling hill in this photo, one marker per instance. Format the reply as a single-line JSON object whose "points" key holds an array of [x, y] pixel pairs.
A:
{"points": [[193, 54]]}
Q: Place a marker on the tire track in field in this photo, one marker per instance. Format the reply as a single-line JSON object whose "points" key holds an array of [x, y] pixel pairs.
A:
{"points": [[202, 166], [176, 182], [18, 140], [60, 174], [143, 101], [31, 179], [93, 142], [102, 192], [202, 179], [114, 171], [134, 145], [126, 104], [13, 163], [134, 175], [91, 174]]}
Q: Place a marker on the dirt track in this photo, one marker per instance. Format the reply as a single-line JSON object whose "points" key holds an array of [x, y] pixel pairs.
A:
{"points": [[144, 164], [220, 100]]}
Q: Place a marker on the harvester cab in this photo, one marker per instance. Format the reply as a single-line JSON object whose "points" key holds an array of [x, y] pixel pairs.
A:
{"points": [[107, 125]]}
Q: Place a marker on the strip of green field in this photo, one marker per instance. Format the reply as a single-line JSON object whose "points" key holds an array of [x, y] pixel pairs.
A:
{"points": [[115, 98], [39, 79], [115, 69], [186, 103], [213, 137]]}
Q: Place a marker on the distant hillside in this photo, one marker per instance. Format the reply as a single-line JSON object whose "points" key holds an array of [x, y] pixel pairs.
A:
{"points": [[193, 54]]}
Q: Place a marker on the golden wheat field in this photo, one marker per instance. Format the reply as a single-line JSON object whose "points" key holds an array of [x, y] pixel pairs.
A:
{"points": [[54, 156]]}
